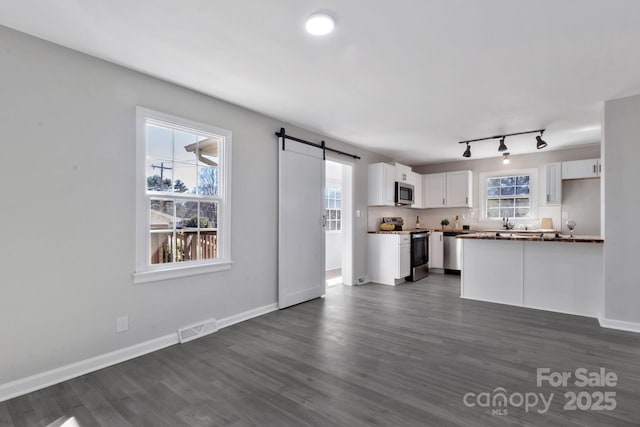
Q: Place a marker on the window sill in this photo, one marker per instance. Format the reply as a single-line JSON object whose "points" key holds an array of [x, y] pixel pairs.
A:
{"points": [[178, 272]]}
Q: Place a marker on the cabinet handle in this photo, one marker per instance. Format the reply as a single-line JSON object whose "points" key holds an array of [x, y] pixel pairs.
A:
{"points": [[548, 197], [600, 168], [443, 201], [441, 237], [466, 200], [594, 169]]}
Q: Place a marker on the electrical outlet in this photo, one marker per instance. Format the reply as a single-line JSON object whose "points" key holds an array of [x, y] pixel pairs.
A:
{"points": [[358, 213], [122, 324]]}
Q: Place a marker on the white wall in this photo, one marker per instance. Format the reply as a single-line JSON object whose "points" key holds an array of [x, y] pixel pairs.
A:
{"points": [[431, 217], [68, 209], [622, 205]]}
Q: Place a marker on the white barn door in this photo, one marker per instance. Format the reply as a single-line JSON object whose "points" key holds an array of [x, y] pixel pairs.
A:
{"points": [[301, 269]]}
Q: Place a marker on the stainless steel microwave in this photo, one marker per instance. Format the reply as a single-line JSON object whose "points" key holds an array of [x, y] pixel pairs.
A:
{"points": [[404, 193]]}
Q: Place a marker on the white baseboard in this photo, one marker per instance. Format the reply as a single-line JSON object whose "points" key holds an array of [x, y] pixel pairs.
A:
{"points": [[54, 376], [63, 373], [250, 314], [619, 324]]}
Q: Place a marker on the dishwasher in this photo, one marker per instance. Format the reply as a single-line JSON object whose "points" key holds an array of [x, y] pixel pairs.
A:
{"points": [[452, 252]]}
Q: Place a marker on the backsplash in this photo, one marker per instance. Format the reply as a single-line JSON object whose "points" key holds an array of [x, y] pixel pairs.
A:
{"points": [[430, 218]]}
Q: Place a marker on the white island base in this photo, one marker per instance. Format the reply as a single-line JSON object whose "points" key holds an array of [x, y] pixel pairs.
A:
{"points": [[557, 276]]}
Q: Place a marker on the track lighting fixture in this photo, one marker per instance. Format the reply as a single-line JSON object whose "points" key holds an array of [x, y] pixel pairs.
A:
{"points": [[467, 152], [505, 159], [540, 144], [502, 146]]}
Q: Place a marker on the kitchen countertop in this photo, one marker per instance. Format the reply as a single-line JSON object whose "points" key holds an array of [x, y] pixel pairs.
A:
{"points": [[472, 231], [518, 235]]}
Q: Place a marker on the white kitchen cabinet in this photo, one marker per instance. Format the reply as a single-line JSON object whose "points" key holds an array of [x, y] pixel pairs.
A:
{"points": [[447, 190], [382, 181], [405, 257], [403, 173], [433, 190], [458, 194], [576, 169], [436, 249], [416, 180], [388, 257], [554, 184]]}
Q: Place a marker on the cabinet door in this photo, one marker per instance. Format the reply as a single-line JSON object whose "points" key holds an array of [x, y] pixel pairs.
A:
{"points": [[554, 184], [417, 190], [389, 185], [403, 173], [405, 261], [459, 189], [433, 190], [381, 184], [577, 169], [436, 249]]}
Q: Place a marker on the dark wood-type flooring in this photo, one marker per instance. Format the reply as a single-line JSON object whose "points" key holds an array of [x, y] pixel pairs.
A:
{"points": [[368, 355]]}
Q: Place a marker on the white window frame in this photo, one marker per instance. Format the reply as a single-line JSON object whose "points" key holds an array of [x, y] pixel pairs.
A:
{"points": [[145, 271], [533, 192], [326, 199]]}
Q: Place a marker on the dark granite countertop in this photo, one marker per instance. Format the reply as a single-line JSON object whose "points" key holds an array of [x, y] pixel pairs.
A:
{"points": [[528, 237]]}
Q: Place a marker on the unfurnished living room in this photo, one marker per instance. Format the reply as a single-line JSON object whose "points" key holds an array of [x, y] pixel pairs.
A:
{"points": [[305, 213]]}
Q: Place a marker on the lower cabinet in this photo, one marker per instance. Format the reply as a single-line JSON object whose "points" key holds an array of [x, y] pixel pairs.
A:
{"points": [[436, 249], [388, 257]]}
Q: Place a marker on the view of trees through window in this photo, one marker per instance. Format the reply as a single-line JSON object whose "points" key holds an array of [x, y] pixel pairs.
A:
{"points": [[333, 209], [182, 189], [508, 196]]}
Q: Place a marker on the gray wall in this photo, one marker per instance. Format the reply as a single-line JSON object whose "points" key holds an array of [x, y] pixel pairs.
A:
{"points": [[68, 209], [622, 205]]}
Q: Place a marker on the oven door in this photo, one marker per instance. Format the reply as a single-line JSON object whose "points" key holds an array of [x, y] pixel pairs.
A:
{"points": [[419, 256]]}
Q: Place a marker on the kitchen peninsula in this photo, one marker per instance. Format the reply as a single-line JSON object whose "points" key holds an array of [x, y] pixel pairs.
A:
{"points": [[547, 272]]}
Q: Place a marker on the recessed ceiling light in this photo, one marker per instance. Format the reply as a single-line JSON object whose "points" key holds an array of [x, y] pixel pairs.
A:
{"points": [[320, 24]]}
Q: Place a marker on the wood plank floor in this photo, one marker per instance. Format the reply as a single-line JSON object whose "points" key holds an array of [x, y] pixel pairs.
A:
{"points": [[368, 355]]}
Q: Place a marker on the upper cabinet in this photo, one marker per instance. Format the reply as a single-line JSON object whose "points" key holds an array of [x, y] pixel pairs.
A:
{"points": [[577, 169], [416, 181], [447, 190], [433, 190], [403, 173], [459, 189], [382, 181], [554, 184]]}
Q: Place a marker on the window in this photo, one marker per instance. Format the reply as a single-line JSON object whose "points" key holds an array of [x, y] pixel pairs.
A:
{"points": [[183, 197], [509, 194], [333, 209]]}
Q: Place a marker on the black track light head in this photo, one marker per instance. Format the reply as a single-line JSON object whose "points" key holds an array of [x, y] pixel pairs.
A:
{"points": [[540, 144], [467, 152], [502, 146]]}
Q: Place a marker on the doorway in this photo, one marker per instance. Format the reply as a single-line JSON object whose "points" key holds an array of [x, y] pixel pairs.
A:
{"points": [[338, 231]]}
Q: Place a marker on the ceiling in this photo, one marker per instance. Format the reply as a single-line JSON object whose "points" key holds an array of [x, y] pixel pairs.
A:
{"points": [[408, 79]]}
